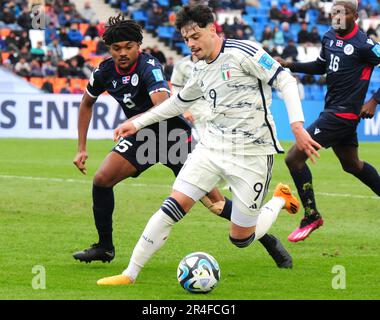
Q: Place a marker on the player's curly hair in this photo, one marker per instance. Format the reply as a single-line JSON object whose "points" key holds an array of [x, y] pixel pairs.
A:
{"points": [[120, 29], [199, 14]]}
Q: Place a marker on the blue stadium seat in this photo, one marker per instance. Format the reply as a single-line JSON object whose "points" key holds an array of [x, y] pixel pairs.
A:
{"points": [[163, 3], [164, 32], [251, 10], [139, 16], [322, 29], [313, 16], [248, 20], [262, 19], [184, 48]]}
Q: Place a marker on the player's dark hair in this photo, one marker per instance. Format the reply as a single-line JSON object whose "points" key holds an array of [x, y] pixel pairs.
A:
{"points": [[120, 29], [198, 14]]}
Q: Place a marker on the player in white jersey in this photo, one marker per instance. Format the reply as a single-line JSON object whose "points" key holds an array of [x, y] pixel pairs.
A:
{"points": [[235, 78], [197, 113]]}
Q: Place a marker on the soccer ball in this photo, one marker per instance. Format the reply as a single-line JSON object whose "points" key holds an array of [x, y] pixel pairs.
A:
{"points": [[198, 272]]}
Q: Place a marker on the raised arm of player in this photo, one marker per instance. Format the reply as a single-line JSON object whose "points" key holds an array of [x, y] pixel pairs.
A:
{"points": [[314, 67], [84, 118]]}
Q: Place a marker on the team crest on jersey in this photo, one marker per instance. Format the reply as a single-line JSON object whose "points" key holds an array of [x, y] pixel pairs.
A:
{"points": [[226, 71], [135, 80], [339, 43], [114, 83], [125, 79], [348, 49]]}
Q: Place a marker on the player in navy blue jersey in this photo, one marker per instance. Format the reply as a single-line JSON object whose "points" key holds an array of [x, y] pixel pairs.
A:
{"points": [[348, 57], [136, 81]]}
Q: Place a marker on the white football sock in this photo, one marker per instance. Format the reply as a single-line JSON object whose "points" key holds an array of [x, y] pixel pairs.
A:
{"points": [[152, 239], [268, 215]]}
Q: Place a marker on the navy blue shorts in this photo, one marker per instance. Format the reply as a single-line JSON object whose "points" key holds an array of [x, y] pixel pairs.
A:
{"points": [[330, 130], [168, 142]]}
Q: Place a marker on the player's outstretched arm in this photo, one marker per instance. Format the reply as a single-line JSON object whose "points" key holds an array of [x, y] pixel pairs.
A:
{"points": [[287, 85], [168, 109], [369, 108], [314, 67], [84, 118]]}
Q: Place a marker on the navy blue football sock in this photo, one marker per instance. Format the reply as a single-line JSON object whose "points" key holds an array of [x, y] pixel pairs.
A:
{"points": [[227, 209], [370, 177], [103, 206], [304, 183], [173, 209], [242, 243]]}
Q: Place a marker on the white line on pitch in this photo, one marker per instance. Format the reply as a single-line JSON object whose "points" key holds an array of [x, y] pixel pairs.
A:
{"points": [[144, 185]]}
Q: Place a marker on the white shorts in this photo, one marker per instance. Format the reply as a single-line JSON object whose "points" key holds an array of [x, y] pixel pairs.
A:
{"points": [[248, 178]]}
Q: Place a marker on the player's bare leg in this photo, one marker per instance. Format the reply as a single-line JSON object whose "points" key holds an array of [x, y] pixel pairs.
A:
{"points": [[222, 206], [242, 235], [349, 159], [114, 169], [216, 203], [302, 177], [153, 237]]}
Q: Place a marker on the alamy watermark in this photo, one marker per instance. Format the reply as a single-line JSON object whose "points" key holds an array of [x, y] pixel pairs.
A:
{"points": [[38, 17], [338, 20], [39, 280], [172, 145], [339, 281]]}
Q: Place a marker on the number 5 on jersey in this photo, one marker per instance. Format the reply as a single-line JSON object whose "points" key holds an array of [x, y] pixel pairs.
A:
{"points": [[123, 146], [128, 101]]}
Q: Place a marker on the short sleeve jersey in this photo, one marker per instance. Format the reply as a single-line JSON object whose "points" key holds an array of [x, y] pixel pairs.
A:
{"points": [[349, 64], [132, 91]]}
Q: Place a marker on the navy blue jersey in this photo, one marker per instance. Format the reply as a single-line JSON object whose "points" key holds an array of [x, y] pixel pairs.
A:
{"points": [[349, 62], [131, 90]]}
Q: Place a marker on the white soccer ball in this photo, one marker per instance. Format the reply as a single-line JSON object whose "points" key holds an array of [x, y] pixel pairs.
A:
{"points": [[198, 272]]}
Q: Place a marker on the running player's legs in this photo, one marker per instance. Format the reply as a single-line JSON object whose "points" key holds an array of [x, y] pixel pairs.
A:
{"points": [[249, 179], [214, 201], [119, 164], [329, 131], [366, 173], [183, 196], [349, 158]]}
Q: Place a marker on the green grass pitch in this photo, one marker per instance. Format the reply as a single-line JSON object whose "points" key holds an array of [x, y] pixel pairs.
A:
{"points": [[45, 215]]}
